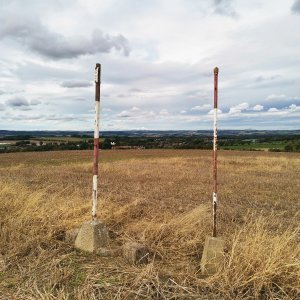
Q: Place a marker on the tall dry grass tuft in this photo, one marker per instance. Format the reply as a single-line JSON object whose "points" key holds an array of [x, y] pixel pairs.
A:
{"points": [[261, 263], [181, 234]]}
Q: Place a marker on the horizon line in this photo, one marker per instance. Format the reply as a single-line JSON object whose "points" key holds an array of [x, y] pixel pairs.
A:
{"points": [[76, 130]]}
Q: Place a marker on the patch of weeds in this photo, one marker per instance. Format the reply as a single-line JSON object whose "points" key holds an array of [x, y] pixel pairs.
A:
{"points": [[78, 276], [10, 283]]}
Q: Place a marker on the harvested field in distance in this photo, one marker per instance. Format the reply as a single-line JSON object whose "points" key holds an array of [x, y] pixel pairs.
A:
{"points": [[161, 198]]}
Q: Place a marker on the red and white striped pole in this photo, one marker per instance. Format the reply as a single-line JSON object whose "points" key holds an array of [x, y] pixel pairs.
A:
{"points": [[96, 139], [215, 198]]}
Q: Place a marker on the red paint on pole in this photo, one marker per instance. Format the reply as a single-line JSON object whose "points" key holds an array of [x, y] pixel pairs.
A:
{"points": [[96, 156], [215, 139]]}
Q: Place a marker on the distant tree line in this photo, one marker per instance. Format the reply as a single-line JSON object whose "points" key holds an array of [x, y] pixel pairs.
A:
{"points": [[15, 137], [27, 143], [26, 146], [293, 146]]}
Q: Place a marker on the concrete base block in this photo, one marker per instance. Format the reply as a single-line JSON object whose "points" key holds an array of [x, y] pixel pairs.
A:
{"points": [[92, 236], [71, 235], [2, 264], [213, 255], [135, 253]]}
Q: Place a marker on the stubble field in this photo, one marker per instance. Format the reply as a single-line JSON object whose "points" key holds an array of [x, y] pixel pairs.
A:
{"points": [[162, 199]]}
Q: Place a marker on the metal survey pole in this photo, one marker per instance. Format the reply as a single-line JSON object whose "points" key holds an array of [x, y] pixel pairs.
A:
{"points": [[215, 198], [96, 139]]}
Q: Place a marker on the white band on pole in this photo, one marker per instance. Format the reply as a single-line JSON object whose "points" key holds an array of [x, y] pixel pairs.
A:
{"points": [[215, 198], [97, 75], [97, 113], [215, 129]]}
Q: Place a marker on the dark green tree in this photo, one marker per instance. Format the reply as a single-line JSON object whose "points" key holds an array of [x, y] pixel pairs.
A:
{"points": [[106, 144]]}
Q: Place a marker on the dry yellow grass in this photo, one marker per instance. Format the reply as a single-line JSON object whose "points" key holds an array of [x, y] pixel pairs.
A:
{"points": [[161, 198]]}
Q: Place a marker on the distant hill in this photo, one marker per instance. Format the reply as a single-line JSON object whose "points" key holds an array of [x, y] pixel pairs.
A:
{"points": [[152, 133]]}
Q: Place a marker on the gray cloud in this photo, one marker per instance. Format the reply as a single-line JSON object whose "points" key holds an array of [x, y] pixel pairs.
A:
{"points": [[266, 78], [224, 7], [52, 117], [76, 84], [18, 102], [2, 107], [22, 103], [37, 37], [65, 118], [125, 114], [296, 7], [2, 93], [280, 101]]}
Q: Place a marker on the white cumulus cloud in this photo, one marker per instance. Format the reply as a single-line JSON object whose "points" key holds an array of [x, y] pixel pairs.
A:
{"points": [[258, 107], [273, 109], [238, 108]]}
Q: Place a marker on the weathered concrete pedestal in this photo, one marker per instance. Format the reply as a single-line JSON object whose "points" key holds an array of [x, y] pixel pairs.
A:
{"points": [[213, 255], [92, 236], [136, 253]]}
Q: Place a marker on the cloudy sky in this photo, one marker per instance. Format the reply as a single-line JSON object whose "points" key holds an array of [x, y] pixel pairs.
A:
{"points": [[157, 63]]}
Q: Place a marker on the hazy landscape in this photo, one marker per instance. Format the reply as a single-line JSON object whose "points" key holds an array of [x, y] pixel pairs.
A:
{"points": [[162, 199], [251, 140]]}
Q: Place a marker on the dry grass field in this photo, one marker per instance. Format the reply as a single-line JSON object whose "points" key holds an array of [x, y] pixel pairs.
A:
{"points": [[162, 199]]}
